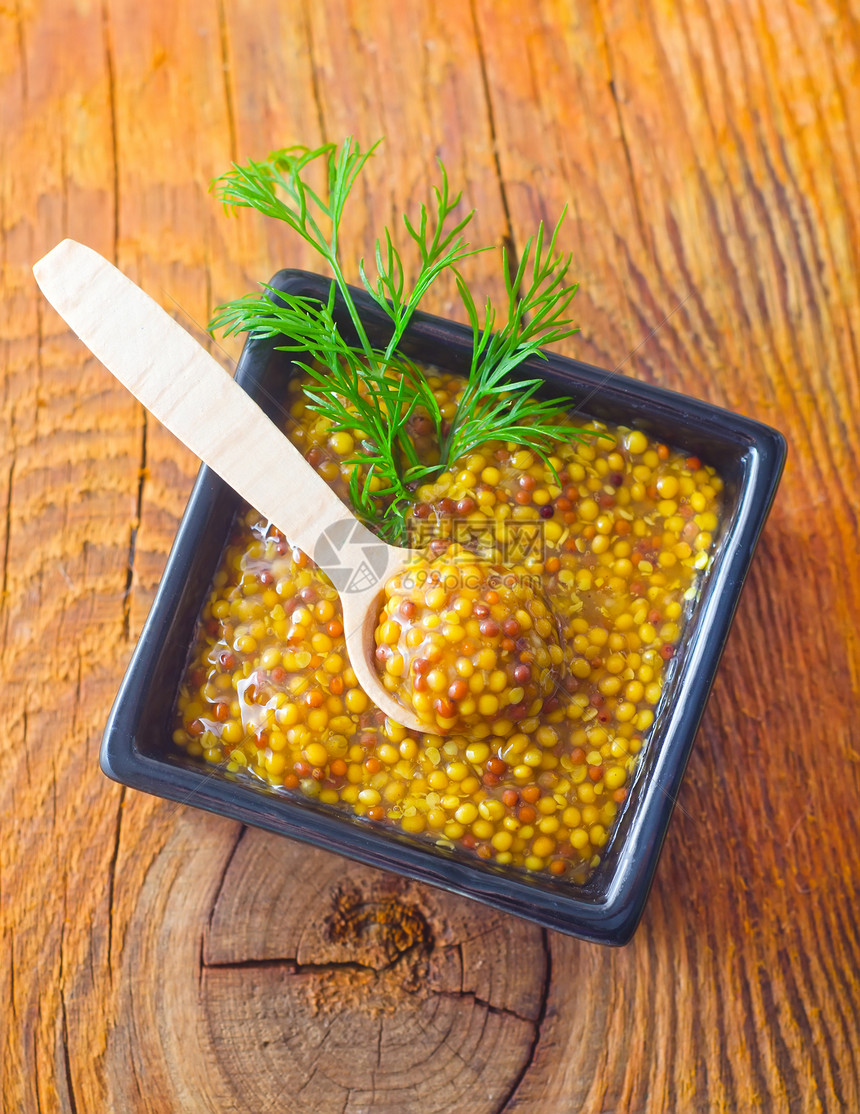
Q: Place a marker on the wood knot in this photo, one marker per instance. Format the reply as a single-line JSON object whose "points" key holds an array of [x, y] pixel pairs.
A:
{"points": [[377, 931], [343, 988]]}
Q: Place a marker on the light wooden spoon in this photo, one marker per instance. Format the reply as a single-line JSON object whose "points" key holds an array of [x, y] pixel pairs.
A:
{"points": [[197, 400]]}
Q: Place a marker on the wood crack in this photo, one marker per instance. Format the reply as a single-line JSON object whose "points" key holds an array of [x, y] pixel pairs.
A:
{"points": [[315, 87], [40, 364], [76, 707], [529, 1058], [225, 68], [112, 878], [25, 730], [9, 482], [508, 241], [112, 123], [501, 1011], [226, 867], [294, 967], [140, 1091], [22, 50], [36, 1073], [67, 1057], [135, 530], [54, 791], [204, 935], [10, 935]]}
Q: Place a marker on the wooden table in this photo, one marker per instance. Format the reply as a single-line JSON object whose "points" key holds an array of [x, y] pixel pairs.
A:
{"points": [[155, 958]]}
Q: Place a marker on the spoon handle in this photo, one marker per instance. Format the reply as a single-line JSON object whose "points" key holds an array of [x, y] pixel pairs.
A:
{"points": [[197, 400]]}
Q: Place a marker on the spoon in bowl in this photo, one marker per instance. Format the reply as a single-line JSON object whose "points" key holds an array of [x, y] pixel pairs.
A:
{"points": [[198, 401]]}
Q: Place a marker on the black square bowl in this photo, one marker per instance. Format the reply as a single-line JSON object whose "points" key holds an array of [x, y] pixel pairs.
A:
{"points": [[137, 748]]}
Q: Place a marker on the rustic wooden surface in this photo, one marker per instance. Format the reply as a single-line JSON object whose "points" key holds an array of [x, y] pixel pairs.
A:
{"points": [[158, 959]]}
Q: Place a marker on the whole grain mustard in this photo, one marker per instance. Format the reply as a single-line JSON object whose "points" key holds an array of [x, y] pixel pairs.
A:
{"points": [[539, 690]]}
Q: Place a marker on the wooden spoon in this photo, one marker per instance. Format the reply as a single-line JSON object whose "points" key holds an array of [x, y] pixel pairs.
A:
{"points": [[197, 400]]}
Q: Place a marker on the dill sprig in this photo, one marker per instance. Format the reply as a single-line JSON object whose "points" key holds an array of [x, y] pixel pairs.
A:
{"points": [[375, 392], [494, 405]]}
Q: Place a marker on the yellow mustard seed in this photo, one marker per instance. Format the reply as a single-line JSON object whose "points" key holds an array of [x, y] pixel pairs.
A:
{"points": [[270, 693]]}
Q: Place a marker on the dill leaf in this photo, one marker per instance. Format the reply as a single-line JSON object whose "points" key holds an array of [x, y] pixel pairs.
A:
{"points": [[375, 393]]}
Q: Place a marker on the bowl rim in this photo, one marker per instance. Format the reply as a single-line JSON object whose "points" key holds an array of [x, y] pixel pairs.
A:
{"points": [[604, 912]]}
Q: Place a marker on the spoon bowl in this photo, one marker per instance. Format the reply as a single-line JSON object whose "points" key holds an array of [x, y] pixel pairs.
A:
{"points": [[197, 400]]}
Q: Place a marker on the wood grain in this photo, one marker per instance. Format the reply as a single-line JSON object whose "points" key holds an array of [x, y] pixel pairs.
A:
{"points": [[347, 990], [157, 959]]}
